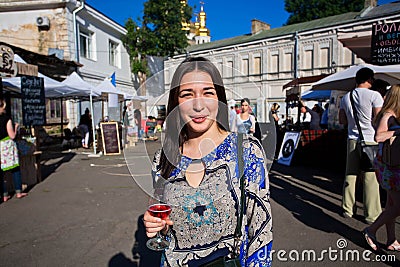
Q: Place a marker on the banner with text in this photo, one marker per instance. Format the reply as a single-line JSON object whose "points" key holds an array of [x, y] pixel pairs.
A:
{"points": [[385, 44]]}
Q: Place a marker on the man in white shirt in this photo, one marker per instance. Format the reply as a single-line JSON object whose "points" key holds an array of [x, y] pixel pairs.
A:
{"points": [[367, 104]]}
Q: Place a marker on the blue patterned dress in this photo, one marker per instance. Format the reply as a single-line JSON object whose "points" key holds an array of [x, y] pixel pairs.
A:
{"points": [[205, 217]]}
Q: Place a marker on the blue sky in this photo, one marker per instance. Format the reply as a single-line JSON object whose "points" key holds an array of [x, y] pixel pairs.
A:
{"points": [[225, 19]]}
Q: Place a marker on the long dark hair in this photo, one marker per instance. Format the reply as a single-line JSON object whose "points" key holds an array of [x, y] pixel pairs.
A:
{"points": [[176, 130]]}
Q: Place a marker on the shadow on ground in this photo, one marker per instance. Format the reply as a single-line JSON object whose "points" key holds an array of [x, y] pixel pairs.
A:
{"points": [[141, 255], [305, 202]]}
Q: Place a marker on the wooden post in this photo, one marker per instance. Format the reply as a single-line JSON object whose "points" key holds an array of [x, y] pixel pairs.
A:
{"points": [[62, 117]]}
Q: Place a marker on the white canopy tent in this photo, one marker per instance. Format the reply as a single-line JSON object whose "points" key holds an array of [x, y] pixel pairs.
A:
{"points": [[344, 80], [53, 88]]}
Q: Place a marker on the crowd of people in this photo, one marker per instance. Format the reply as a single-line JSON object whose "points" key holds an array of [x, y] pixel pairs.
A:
{"points": [[372, 119]]}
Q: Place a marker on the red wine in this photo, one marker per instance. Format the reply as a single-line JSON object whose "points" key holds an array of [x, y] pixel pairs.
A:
{"points": [[160, 210]]}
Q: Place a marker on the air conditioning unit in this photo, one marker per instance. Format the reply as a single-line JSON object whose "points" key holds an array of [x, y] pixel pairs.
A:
{"points": [[43, 22]]}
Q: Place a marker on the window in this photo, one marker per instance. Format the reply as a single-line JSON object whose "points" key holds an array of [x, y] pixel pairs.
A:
{"points": [[113, 53], [274, 63], [324, 63], [219, 67], [245, 67], [85, 44], [257, 66], [308, 60], [229, 69], [54, 107], [287, 62]]}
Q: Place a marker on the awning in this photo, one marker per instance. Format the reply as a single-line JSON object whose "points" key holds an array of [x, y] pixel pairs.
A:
{"points": [[319, 95], [358, 42], [304, 80]]}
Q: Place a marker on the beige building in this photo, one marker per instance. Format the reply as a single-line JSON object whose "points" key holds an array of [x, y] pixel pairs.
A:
{"points": [[258, 66], [74, 31]]}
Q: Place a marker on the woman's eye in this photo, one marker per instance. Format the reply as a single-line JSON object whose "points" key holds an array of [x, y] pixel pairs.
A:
{"points": [[209, 93], [185, 95]]}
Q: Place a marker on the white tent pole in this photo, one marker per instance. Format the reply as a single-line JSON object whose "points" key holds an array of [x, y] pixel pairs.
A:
{"points": [[93, 128]]}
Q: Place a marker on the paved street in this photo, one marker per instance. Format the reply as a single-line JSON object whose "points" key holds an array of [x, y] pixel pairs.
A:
{"points": [[87, 212]]}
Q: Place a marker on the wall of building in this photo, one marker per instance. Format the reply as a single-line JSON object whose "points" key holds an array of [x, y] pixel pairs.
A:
{"points": [[259, 69], [20, 29], [18, 26]]}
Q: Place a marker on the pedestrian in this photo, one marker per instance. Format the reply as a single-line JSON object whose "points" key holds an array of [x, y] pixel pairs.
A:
{"points": [[388, 124], [9, 153], [85, 126], [368, 103], [245, 122], [138, 122], [311, 118], [278, 133], [232, 118], [325, 117], [380, 86], [198, 173], [274, 111]]}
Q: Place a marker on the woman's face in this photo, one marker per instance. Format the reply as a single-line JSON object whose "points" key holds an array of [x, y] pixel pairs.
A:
{"points": [[198, 102], [245, 107]]}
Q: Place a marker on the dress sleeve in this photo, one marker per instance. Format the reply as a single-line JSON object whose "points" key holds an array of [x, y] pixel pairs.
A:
{"points": [[258, 209]]}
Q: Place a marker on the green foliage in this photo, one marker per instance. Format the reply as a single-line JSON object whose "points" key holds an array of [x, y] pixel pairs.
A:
{"points": [[158, 32], [306, 10], [139, 66]]}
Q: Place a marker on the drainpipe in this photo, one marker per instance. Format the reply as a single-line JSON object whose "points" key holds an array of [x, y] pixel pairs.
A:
{"points": [[75, 29]]}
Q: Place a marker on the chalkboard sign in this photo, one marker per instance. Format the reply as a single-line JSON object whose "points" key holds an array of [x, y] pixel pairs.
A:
{"points": [[385, 44], [110, 137], [33, 101]]}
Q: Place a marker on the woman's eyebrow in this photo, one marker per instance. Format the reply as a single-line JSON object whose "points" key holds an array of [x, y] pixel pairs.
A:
{"points": [[186, 90]]}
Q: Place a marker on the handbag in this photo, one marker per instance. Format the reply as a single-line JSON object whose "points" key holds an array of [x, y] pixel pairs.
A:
{"points": [[367, 151], [391, 151], [233, 260], [9, 154]]}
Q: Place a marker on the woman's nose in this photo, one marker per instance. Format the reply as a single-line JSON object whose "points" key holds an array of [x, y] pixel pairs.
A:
{"points": [[198, 103]]}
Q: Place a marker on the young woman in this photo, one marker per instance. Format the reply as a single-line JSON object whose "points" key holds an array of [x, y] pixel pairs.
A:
{"points": [[8, 132], [197, 173], [246, 123], [388, 125]]}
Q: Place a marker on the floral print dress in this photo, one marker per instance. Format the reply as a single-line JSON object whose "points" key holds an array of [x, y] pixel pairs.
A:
{"points": [[205, 217]]}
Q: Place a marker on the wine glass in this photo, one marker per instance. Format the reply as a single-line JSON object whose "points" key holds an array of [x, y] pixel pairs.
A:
{"points": [[162, 211]]}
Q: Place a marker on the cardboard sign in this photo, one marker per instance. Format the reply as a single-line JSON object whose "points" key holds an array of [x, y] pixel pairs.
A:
{"points": [[385, 43], [289, 144], [110, 137], [33, 101]]}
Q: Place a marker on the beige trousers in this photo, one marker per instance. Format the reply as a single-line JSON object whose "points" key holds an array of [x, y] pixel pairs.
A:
{"points": [[371, 198]]}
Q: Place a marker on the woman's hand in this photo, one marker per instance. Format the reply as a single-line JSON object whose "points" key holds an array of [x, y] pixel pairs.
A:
{"points": [[155, 224]]}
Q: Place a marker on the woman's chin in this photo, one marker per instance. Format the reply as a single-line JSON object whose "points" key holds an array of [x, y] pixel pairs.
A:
{"points": [[199, 128]]}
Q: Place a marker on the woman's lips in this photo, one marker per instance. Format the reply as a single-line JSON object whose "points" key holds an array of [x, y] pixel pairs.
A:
{"points": [[199, 119]]}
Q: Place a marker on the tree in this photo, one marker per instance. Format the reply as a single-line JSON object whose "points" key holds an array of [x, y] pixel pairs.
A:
{"points": [[306, 10], [158, 33]]}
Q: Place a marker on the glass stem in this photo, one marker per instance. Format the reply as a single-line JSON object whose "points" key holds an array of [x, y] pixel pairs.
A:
{"points": [[159, 236]]}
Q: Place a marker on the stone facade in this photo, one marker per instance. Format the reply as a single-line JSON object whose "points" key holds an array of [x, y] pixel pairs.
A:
{"points": [[47, 27], [258, 66]]}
